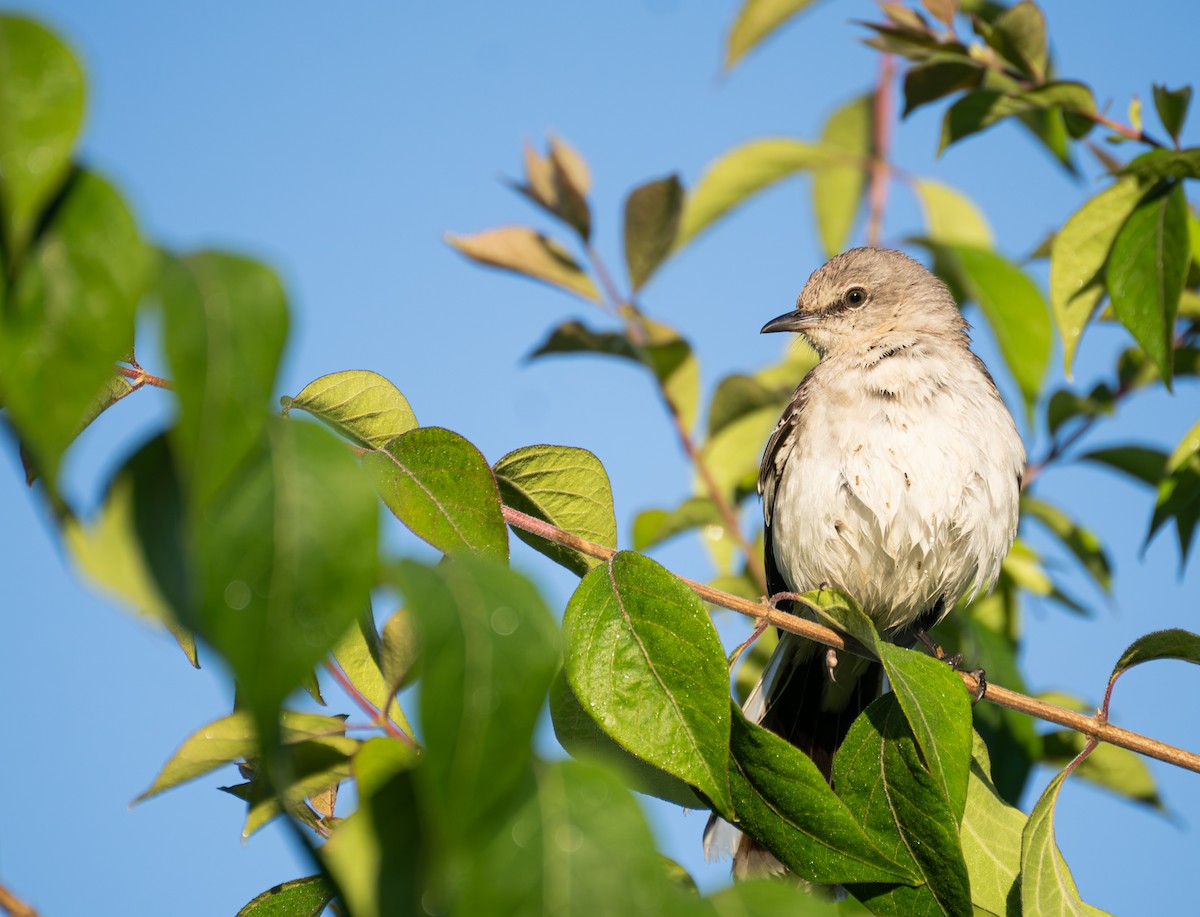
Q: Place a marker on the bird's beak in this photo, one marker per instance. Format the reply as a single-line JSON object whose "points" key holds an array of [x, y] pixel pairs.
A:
{"points": [[790, 321]]}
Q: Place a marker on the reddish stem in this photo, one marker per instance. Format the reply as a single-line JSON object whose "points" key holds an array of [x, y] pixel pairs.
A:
{"points": [[380, 718]]}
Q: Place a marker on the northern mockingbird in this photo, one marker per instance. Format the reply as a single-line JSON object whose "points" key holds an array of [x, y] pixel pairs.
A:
{"points": [[893, 475]]}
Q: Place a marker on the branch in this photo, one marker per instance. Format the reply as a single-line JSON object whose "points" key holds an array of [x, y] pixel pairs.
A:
{"points": [[14, 906], [1095, 727], [379, 717]]}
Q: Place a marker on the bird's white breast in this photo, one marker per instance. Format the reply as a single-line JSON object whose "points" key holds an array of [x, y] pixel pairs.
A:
{"points": [[902, 485]]}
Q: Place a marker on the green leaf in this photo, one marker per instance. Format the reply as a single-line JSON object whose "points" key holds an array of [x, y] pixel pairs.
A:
{"points": [[1116, 769], [285, 560], [580, 735], [879, 774], [1078, 258], [41, 113], [782, 799], [652, 213], [529, 253], [225, 322], [1065, 406], [756, 19], [951, 218], [737, 395], [1164, 165], [358, 653], [732, 455], [69, 318], [565, 486], [740, 174], [559, 183], [1079, 541], [838, 190], [1019, 33], [641, 649], [361, 405], [1139, 462], [654, 526], [1047, 886], [490, 650], [1161, 644], [440, 486], [936, 78], [1172, 106], [991, 838], [233, 738], [298, 898], [109, 551], [1146, 271], [980, 109], [380, 855], [398, 650], [578, 844], [1015, 311]]}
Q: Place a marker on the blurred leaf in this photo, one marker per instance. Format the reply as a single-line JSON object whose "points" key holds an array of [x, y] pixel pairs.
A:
{"points": [[1015, 311], [1079, 541], [783, 800], [440, 486], [361, 405], [558, 182], [1047, 886], [740, 174], [379, 856], [878, 772], [1078, 257], [951, 217], [838, 190], [654, 526], [1019, 34], [942, 10], [286, 558], [737, 395], [109, 551], [1172, 106], [578, 844], [1065, 406], [756, 19], [1164, 165], [41, 112], [1146, 271], [1142, 463], [359, 655], [652, 213], [1179, 493], [398, 650], [732, 455], [576, 337], [772, 898], [582, 737], [1024, 565], [936, 78], [565, 486], [980, 109], [490, 651], [69, 314], [1115, 769], [1049, 127], [297, 898], [524, 251], [991, 832], [225, 321], [640, 648]]}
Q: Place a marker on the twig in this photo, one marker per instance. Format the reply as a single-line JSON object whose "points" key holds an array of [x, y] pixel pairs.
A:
{"points": [[1093, 727], [140, 377], [880, 167], [380, 717], [14, 906]]}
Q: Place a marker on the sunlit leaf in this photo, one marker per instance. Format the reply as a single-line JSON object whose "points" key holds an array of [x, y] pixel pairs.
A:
{"points": [[991, 837], [41, 112], [1146, 270], [742, 173], [951, 217], [755, 21], [654, 526], [1019, 33], [980, 109], [359, 404], [440, 486], [652, 214], [298, 898], [1116, 769], [838, 190], [1079, 541], [359, 655], [565, 486], [524, 251], [641, 649]]}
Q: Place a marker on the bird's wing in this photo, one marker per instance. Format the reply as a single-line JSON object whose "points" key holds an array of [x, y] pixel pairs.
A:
{"points": [[775, 456]]}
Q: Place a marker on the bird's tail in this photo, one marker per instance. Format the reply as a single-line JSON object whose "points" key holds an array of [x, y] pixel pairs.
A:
{"points": [[809, 697]]}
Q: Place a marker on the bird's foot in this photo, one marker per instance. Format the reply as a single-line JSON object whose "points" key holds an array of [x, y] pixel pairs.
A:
{"points": [[956, 663]]}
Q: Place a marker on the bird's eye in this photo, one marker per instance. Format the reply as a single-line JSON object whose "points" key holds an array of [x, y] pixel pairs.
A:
{"points": [[856, 296]]}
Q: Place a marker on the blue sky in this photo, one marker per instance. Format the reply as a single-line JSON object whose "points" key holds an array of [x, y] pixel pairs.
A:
{"points": [[340, 147]]}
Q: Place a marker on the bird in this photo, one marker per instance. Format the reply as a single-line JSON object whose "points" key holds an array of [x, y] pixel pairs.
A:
{"points": [[893, 475]]}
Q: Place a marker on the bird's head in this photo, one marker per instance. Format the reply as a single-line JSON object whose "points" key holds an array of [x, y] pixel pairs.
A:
{"points": [[865, 294]]}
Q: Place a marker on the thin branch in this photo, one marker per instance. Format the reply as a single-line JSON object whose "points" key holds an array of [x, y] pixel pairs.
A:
{"points": [[14, 906], [140, 377], [380, 717], [881, 148], [1094, 727]]}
